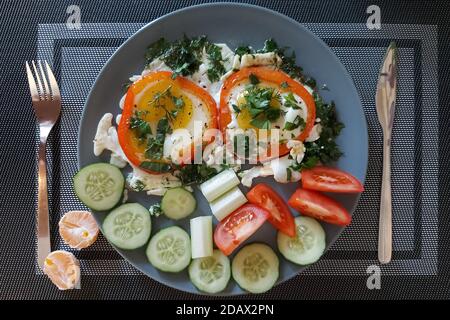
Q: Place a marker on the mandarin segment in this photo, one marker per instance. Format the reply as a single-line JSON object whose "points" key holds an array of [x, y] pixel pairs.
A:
{"points": [[78, 229], [63, 269]]}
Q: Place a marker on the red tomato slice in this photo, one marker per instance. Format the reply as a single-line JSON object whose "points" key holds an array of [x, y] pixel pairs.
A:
{"points": [[133, 149], [316, 205], [280, 215], [238, 227], [330, 180], [277, 78]]}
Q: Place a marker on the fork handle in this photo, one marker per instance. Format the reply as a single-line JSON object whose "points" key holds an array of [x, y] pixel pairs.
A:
{"points": [[43, 229], [385, 227]]}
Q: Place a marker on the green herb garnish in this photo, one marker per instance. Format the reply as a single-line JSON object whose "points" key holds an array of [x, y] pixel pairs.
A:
{"points": [[298, 122], [155, 145], [325, 148], [138, 186], [253, 79], [156, 166], [155, 210], [217, 68], [291, 102], [241, 143], [236, 108], [185, 56], [288, 174], [158, 103], [258, 102], [194, 173], [140, 126], [243, 50], [284, 85]]}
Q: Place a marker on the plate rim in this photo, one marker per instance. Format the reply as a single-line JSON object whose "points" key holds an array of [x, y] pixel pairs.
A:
{"points": [[265, 10]]}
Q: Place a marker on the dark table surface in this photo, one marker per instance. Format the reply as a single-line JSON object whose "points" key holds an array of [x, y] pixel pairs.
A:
{"points": [[19, 34]]}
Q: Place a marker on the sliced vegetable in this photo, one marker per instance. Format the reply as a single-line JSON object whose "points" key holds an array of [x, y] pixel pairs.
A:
{"points": [[219, 184], [128, 226], [99, 186], [255, 268], [201, 237], [170, 249], [280, 215], [178, 203], [227, 203], [308, 244], [210, 274], [330, 180], [238, 227], [280, 80], [139, 146], [316, 205]]}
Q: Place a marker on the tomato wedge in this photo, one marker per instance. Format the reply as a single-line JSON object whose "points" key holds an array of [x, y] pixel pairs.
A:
{"points": [[238, 226], [280, 215], [330, 180], [314, 204], [130, 144], [284, 84]]}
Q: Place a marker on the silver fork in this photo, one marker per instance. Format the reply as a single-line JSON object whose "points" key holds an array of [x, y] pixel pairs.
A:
{"points": [[47, 107]]}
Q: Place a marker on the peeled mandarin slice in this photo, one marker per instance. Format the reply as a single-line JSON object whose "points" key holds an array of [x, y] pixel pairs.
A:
{"points": [[78, 229], [63, 269]]}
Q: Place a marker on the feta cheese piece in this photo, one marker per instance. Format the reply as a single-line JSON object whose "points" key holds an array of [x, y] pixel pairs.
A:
{"points": [[315, 133], [297, 151], [260, 59]]}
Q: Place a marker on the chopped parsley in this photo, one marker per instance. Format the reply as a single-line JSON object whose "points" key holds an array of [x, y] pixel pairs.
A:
{"points": [[155, 145], [156, 166], [241, 145], [194, 173], [158, 102], [241, 50], [291, 102], [184, 56], [140, 126], [253, 79], [258, 102], [325, 148], [298, 122], [216, 69], [155, 210]]}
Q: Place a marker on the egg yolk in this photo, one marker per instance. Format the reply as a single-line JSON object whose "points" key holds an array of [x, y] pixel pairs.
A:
{"points": [[244, 117], [157, 108]]}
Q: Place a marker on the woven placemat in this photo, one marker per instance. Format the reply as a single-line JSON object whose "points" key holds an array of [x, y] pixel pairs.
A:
{"points": [[78, 55]]}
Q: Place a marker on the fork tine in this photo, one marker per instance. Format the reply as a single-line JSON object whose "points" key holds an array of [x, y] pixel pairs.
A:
{"points": [[40, 88], [31, 83], [44, 80], [53, 84]]}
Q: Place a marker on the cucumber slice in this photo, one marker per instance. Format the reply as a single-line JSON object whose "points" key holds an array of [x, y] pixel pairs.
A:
{"points": [[201, 237], [219, 184], [178, 203], [99, 186], [227, 203], [255, 268], [170, 249], [210, 274], [308, 244], [128, 226]]}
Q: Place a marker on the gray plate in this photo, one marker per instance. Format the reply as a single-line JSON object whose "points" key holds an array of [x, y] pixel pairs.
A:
{"points": [[234, 24]]}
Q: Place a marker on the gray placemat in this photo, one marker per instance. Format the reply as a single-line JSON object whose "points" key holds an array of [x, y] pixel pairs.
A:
{"points": [[421, 163], [79, 55]]}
